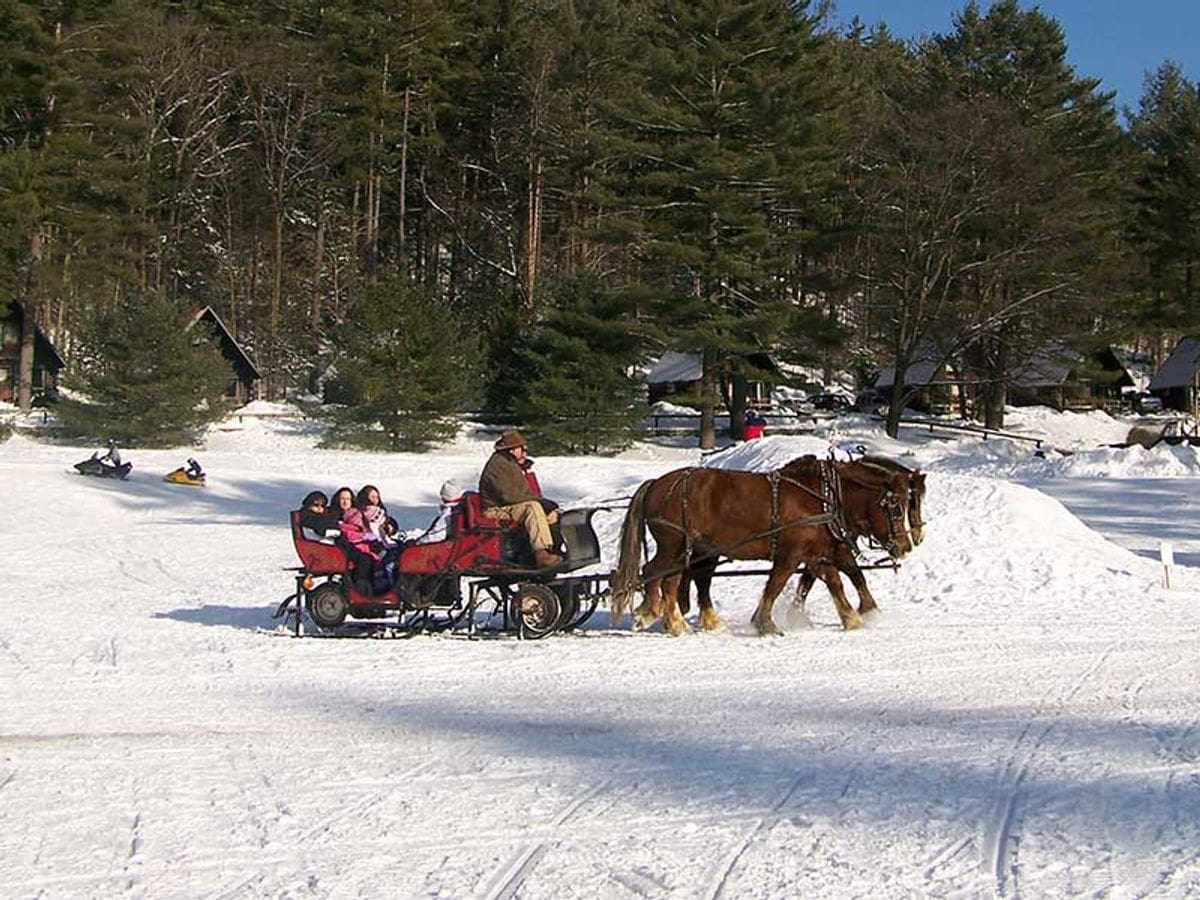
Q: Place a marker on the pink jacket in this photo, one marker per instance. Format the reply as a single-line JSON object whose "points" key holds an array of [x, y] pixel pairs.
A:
{"points": [[357, 533]]}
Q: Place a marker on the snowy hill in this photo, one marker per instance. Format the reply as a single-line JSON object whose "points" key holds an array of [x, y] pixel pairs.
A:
{"points": [[1020, 720]]}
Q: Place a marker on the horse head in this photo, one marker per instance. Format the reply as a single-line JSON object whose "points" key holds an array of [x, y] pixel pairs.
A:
{"points": [[877, 505], [875, 498], [916, 492], [916, 495]]}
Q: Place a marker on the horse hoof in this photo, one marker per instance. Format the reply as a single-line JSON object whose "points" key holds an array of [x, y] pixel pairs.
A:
{"points": [[852, 623], [675, 629], [712, 622], [767, 628]]}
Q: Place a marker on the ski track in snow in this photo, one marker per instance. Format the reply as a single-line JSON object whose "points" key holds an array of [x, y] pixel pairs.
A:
{"points": [[999, 837], [511, 874], [1022, 719]]}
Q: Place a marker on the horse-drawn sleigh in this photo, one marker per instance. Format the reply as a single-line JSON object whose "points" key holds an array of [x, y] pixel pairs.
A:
{"points": [[807, 517], [489, 557]]}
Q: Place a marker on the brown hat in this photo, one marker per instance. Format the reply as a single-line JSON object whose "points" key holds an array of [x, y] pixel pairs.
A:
{"points": [[511, 440]]}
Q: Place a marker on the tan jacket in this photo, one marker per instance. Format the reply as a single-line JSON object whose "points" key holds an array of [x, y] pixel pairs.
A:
{"points": [[502, 482]]}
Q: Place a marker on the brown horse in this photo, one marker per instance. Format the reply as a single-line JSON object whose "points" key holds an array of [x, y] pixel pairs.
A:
{"points": [[791, 517], [859, 489]]}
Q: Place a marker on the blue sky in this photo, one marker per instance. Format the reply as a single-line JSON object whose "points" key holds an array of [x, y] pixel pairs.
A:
{"points": [[1115, 40]]}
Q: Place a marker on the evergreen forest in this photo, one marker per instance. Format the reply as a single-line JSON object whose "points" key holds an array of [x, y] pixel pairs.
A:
{"points": [[423, 207]]}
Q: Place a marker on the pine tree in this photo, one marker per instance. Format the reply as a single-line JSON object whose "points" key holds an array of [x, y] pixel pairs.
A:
{"points": [[724, 133], [1049, 222], [1165, 223], [405, 370], [142, 378], [578, 393]]}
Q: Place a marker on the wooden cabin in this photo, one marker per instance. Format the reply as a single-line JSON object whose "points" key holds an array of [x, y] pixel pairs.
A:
{"points": [[47, 363], [938, 386], [1177, 380], [243, 373], [677, 378]]}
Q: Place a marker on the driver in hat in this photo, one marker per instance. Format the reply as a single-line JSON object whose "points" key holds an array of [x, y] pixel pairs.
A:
{"points": [[505, 493]]}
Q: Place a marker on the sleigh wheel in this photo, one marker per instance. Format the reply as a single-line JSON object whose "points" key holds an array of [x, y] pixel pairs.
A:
{"points": [[328, 605], [536, 611]]}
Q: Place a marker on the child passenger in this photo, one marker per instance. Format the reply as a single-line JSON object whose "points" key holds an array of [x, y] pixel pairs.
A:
{"points": [[376, 515], [360, 541], [439, 529], [383, 527]]}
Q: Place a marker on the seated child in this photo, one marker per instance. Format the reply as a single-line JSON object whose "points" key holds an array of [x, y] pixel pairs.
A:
{"points": [[361, 544], [383, 527], [439, 529], [376, 515]]}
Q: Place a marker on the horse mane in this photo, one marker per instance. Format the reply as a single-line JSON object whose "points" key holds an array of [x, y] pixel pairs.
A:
{"points": [[884, 462]]}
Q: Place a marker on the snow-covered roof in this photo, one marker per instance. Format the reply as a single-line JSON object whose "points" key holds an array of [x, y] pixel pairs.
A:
{"points": [[1137, 367], [1049, 366], [1180, 367], [676, 367], [917, 374]]}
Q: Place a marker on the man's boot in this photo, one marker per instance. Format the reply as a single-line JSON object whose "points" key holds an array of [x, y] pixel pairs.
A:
{"points": [[544, 559]]}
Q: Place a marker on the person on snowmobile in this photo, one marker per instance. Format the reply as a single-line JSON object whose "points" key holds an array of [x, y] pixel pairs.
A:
{"points": [[113, 456]]}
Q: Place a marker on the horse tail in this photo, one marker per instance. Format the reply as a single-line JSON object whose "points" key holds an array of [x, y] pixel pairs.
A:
{"points": [[625, 581]]}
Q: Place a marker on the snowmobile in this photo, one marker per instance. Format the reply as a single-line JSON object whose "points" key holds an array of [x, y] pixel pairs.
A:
{"points": [[191, 475], [107, 466]]}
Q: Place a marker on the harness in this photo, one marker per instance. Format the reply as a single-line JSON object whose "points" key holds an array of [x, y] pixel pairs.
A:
{"points": [[831, 514]]}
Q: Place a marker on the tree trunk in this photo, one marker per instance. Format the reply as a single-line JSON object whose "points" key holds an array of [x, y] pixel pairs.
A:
{"points": [[276, 305], [25, 364], [708, 384], [401, 262], [533, 232], [28, 326], [896, 404], [738, 389], [369, 219], [314, 313], [995, 393]]}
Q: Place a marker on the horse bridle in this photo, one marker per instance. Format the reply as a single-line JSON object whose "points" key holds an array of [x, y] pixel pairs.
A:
{"points": [[894, 512]]}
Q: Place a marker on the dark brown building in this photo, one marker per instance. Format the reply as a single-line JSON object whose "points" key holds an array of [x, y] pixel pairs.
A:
{"points": [[243, 374], [46, 361]]}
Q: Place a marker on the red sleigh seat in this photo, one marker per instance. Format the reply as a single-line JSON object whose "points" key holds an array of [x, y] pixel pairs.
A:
{"points": [[475, 520], [317, 557]]}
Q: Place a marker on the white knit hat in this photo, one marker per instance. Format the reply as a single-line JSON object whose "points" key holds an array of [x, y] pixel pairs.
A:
{"points": [[451, 491]]}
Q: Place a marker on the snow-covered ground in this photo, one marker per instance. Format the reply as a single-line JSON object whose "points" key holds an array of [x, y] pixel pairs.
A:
{"points": [[1023, 719]]}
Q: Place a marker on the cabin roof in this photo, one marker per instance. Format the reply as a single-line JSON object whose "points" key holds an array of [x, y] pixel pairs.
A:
{"points": [[229, 345]]}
